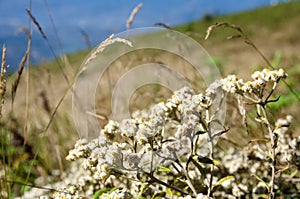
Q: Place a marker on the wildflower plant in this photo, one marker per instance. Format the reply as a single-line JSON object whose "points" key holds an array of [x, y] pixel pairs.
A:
{"points": [[172, 138], [172, 149], [167, 152]]}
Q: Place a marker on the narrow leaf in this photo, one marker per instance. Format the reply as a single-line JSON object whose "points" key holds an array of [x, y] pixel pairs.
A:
{"points": [[203, 159], [113, 189], [179, 179], [222, 180], [284, 169], [265, 183], [100, 192], [159, 195], [163, 169], [259, 140], [263, 196], [199, 167], [142, 190]]}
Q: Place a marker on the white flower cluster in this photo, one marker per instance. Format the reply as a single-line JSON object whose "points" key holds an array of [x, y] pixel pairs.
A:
{"points": [[129, 145], [287, 146], [139, 145], [82, 150], [159, 145], [255, 160], [233, 159], [267, 75], [232, 84], [238, 191], [102, 154], [76, 183], [71, 191]]}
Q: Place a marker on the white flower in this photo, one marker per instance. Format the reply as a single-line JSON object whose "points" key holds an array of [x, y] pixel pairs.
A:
{"points": [[111, 128], [213, 88], [128, 128]]}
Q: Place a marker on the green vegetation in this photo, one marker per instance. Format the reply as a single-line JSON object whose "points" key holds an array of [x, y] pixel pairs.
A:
{"points": [[259, 21]]}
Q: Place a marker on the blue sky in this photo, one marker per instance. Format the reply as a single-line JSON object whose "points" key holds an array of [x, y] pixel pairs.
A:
{"points": [[99, 19]]}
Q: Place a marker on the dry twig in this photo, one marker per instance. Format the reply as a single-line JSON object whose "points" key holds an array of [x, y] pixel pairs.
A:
{"points": [[2, 79], [132, 15]]}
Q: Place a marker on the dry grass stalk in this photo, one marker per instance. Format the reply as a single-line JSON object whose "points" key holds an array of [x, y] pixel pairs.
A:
{"points": [[20, 71], [49, 45], [103, 45], [30, 185], [86, 38], [54, 27], [96, 115], [64, 57], [45, 101], [28, 32], [2, 79], [220, 24], [132, 15], [36, 23], [162, 25]]}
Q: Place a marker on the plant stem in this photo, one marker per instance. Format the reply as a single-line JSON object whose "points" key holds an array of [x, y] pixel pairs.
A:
{"points": [[208, 121], [273, 153], [188, 180], [154, 179]]}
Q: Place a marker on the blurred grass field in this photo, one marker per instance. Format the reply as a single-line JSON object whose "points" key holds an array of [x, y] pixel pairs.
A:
{"points": [[275, 31]]}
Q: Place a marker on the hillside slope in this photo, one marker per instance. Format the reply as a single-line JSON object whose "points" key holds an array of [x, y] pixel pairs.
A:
{"points": [[273, 29]]}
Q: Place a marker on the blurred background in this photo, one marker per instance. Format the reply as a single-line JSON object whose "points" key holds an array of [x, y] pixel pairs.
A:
{"points": [[68, 23]]}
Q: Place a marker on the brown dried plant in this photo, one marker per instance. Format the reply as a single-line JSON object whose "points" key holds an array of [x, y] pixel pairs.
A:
{"points": [[132, 15], [49, 45], [20, 72], [2, 79]]}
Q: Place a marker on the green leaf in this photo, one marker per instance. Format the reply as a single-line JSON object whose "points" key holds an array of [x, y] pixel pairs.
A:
{"points": [[259, 140], [113, 189], [294, 173], [222, 180], [163, 169], [265, 183], [169, 192], [144, 187], [203, 159], [159, 195], [199, 167], [100, 192], [216, 162], [179, 179], [263, 196]]}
